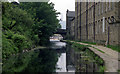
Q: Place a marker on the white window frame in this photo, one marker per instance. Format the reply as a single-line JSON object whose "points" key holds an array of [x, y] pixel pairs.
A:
{"points": [[103, 25]]}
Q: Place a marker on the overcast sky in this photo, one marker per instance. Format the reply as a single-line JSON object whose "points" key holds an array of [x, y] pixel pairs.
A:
{"points": [[62, 6]]}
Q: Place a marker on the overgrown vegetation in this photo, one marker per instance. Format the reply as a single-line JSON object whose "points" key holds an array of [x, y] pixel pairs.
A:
{"points": [[99, 50], [88, 42], [116, 48], [113, 47], [27, 25], [87, 52]]}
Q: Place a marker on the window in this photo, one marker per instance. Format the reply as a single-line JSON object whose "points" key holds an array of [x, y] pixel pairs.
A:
{"points": [[102, 7], [97, 28], [99, 8], [112, 4], [109, 5], [103, 26], [92, 27], [106, 6]]}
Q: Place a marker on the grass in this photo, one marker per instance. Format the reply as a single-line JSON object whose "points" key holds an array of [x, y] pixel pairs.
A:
{"points": [[85, 46], [88, 42], [102, 69], [119, 71], [99, 50], [79, 47], [116, 48]]}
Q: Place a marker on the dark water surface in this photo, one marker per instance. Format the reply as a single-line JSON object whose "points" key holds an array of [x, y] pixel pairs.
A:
{"points": [[39, 60], [58, 57]]}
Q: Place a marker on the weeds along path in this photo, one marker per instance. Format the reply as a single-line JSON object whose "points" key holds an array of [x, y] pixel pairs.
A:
{"points": [[110, 57]]}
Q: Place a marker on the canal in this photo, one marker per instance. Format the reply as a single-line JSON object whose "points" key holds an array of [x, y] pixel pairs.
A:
{"points": [[51, 59], [58, 57]]}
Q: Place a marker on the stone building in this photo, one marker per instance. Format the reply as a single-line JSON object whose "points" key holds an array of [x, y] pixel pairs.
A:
{"points": [[70, 15], [98, 22]]}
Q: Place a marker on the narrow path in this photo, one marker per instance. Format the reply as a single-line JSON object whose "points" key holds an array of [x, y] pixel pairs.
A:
{"points": [[109, 56]]}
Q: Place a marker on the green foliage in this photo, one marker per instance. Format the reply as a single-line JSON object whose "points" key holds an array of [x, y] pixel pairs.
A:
{"points": [[102, 69], [27, 25], [19, 41], [116, 48], [88, 42], [79, 47], [8, 47], [118, 71]]}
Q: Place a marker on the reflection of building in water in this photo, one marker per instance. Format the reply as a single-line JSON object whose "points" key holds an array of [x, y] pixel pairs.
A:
{"points": [[56, 37], [82, 61], [70, 62]]}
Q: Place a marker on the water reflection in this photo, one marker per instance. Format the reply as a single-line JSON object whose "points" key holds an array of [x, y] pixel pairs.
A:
{"points": [[61, 51], [52, 59], [39, 60], [56, 44], [61, 64]]}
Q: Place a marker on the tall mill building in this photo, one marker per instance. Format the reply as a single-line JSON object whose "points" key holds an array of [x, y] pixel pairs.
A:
{"points": [[97, 22], [70, 16]]}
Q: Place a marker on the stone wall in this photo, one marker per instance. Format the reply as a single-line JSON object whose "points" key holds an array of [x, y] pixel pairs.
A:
{"points": [[99, 22]]}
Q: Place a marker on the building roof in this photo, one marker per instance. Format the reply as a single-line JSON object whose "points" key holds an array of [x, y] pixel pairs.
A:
{"points": [[70, 13]]}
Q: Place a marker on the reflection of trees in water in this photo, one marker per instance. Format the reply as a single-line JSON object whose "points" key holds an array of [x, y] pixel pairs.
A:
{"points": [[42, 60]]}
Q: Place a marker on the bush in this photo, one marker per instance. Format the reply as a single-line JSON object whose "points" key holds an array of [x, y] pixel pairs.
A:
{"points": [[8, 47], [8, 34], [79, 46], [19, 41], [36, 39]]}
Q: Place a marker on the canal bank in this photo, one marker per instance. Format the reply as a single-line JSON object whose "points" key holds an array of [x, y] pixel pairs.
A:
{"points": [[109, 56], [58, 57], [83, 59]]}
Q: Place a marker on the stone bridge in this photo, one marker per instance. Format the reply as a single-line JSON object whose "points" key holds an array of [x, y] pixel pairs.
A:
{"points": [[62, 32]]}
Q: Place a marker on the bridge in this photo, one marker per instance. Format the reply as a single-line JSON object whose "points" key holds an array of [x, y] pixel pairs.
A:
{"points": [[62, 32]]}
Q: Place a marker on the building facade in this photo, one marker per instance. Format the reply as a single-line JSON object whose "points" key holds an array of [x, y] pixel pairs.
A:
{"points": [[98, 22], [70, 17]]}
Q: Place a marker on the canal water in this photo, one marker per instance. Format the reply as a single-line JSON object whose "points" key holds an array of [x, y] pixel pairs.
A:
{"points": [[52, 59], [60, 47], [59, 57]]}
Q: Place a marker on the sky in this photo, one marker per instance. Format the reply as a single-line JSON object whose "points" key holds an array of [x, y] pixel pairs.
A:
{"points": [[62, 6]]}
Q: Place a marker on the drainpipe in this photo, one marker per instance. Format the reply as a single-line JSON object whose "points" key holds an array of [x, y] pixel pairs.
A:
{"points": [[108, 35], [77, 21], [80, 21], [87, 21]]}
